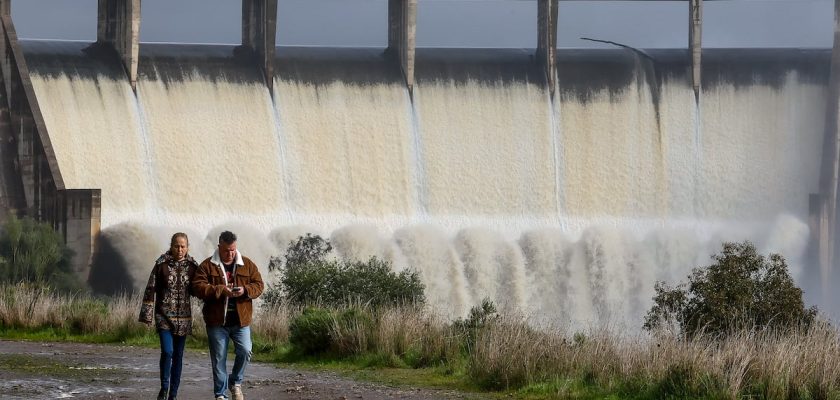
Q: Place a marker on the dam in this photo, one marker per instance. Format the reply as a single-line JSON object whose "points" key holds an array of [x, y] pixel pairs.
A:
{"points": [[558, 183]]}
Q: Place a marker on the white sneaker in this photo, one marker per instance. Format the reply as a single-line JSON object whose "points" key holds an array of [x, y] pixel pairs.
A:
{"points": [[236, 392], [220, 398]]}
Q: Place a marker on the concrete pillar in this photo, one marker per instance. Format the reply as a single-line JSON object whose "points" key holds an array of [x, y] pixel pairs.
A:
{"points": [[5, 7], [695, 36], [825, 236], [402, 33], [81, 211], [119, 26], [259, 31], [26, 159], [11, 186], [547, 39]]}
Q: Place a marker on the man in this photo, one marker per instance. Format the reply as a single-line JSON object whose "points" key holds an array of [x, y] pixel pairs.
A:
{"points": [[227, 282]]}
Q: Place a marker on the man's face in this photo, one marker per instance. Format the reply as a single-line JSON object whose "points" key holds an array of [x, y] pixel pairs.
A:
{"points": [[227, 252]]}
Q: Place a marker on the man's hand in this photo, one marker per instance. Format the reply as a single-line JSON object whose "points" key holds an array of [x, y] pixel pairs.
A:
{"points": [[235, 292]]}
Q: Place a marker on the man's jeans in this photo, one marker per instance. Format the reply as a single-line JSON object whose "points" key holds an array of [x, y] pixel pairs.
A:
{"points": [[218, 337], [171, 361]]}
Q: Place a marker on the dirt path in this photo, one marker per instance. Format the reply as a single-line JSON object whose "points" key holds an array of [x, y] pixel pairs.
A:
{"points": [[32, 370]]}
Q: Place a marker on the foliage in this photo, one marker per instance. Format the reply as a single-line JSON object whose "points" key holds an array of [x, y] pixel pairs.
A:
{"points": [[354, 332], [479, 317], [308, 275], [742, 289], [311, 331], [32, 251], [684, 381]]}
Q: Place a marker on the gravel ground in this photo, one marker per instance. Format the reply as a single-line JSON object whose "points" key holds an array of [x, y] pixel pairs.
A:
{"points": [[34, 370]]}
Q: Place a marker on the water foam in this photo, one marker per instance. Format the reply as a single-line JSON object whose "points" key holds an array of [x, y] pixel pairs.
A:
{"points": [[484, 187]]}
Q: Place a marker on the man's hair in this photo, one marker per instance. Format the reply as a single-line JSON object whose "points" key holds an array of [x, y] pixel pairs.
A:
{"points": [[227, 237]]}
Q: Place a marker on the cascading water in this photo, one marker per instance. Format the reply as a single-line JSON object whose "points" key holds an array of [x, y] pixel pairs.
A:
{"points": [[419, 173], [153, 186], [99, 135], [478, 181]]}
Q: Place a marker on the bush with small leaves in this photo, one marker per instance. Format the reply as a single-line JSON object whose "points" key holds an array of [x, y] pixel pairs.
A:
{"points": [[480, 316], [308, 275], [32, 251], [741, 290]]}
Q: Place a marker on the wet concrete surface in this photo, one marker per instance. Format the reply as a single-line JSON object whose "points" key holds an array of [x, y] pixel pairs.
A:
{"points": [[34, 370]]}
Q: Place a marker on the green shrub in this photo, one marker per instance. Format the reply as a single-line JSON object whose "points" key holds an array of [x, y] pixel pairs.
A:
{"points": [[479, 317], [683, 381], [354, 332], [32, 251], [309, 276], [742, 289], [311, 331]]}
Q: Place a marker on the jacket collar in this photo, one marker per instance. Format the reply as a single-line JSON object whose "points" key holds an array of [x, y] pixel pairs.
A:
{"points": [[216, 259], [166, 258]]}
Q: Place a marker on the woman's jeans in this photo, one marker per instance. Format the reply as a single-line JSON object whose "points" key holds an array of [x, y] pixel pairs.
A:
{"points": [[218, 337], [171, 361]]}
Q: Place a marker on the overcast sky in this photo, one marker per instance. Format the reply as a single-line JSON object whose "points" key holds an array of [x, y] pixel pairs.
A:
{"points": [[454, 23]]}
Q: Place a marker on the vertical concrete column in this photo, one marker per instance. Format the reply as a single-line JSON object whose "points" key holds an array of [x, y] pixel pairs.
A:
{"points": [[402, 33], [5, 7], [825, 236], [547, 39], [26, 159], [119, 26], [81, 211], [259, 31], [695, 36]]}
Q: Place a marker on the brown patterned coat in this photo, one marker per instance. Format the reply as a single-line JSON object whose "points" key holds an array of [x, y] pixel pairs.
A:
{"points": [[166, 301]]}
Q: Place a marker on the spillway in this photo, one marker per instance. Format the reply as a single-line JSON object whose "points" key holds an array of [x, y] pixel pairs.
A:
{"points": [[564, 207]]}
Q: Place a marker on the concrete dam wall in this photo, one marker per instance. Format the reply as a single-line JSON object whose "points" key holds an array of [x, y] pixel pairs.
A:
{"points": [[566, 207]]}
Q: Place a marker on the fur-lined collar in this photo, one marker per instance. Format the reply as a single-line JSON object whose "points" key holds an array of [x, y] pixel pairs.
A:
{"points": [[218, 260]]}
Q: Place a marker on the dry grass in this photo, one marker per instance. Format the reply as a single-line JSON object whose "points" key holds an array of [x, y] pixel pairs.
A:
{"points": [[407, 333], [272, 323], [762, 364], [31, 307], [507, 352], [417, 335]]}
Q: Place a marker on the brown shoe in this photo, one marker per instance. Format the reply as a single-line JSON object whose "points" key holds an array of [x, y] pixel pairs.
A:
{"points": [[236, 392]]}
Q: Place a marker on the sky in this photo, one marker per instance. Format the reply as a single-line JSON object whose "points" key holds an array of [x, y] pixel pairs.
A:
{"points": [[455, 23]]}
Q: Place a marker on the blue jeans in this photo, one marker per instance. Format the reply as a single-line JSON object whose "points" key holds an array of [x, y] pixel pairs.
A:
{"points": [[171, 361], [218, 337]]}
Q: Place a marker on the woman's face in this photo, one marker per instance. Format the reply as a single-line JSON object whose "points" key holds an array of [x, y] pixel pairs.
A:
{"points": [[179, 248]]}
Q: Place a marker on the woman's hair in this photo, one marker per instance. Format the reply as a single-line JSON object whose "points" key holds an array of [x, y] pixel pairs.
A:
{"points": [[179, 235]]}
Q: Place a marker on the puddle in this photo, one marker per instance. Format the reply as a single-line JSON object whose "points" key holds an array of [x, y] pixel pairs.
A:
{"points": [[38, 389]]}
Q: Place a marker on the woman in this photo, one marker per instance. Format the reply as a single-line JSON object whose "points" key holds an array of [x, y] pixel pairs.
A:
{"points": [[167, 304]]}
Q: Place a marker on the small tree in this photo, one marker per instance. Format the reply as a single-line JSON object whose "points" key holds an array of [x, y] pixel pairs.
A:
{"points": [[479, 318], [742, 289], [308, 276], [32, 251]]}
